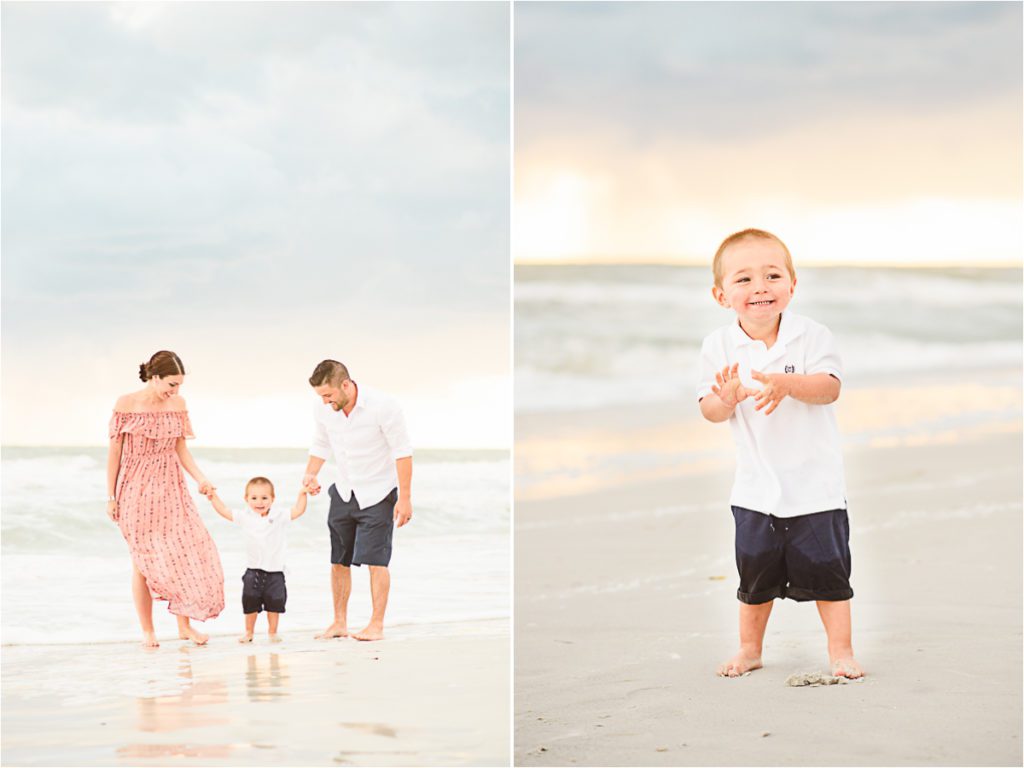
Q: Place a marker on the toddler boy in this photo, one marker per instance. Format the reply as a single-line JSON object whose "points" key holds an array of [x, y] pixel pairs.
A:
{"points": [[773, 376], [265, 530]]}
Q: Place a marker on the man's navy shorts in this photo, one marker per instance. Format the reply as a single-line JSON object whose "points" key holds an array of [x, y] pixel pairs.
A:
{"points": [[263, 591], [802, 558], [361, 536]]}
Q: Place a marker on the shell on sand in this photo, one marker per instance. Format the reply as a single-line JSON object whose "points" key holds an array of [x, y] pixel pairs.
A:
{"points": [[815, 678]]}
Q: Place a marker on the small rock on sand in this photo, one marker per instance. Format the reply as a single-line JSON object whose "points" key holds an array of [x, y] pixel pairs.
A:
{"points": [[814, 678]]}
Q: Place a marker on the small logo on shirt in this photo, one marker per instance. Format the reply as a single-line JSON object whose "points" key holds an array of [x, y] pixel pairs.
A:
{"points": [[790, 369]]}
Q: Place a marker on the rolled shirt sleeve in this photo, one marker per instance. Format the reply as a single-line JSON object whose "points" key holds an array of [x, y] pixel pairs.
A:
{"points": [[392, 424], [321, 446]]}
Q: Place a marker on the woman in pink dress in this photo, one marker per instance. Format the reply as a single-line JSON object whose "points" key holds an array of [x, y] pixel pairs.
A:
{"points": [[173, 556]]}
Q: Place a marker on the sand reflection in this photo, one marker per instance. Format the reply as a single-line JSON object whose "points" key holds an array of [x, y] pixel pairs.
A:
{"points": [[266, 680], [191, 708]]}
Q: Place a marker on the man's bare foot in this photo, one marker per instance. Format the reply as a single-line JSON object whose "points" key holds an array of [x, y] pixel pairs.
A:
{"points": [[738, 665], [246, 638], [335, 630], [274, 637], [149, 640], [195, 636], [844, 665], [372, 632]]}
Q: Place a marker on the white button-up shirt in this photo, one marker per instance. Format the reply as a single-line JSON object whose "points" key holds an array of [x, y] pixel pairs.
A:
{"points": [[789, 463], [265, 537], [364, 444]]}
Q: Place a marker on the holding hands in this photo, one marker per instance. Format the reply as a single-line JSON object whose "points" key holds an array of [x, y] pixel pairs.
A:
{"points": [[207, 489], [311, 484]]}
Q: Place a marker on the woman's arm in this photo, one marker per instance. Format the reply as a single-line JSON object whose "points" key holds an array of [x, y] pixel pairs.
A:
{"points": [[113, 470], [189, 464]]}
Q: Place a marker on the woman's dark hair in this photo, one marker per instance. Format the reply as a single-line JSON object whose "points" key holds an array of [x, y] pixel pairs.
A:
{"points": [[163, 363]]}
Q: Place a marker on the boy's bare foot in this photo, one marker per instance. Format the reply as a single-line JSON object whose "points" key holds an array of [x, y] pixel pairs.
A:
{"points": [[844, 665], [738, 665], [274, 637], [335, 630], [372, 632], [149, 640], [195, 636], [246, 638]]}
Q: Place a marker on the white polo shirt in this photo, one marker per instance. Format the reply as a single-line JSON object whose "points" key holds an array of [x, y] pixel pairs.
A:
{"points": [[364, 444], [265, 537], [789, 463]]}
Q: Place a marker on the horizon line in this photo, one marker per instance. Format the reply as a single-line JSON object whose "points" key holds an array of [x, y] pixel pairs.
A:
{"points": [[670, 261], [4, 446]]}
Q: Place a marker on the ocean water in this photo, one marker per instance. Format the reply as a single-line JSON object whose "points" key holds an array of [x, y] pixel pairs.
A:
{"points": [[591, 336], [66, 568]]}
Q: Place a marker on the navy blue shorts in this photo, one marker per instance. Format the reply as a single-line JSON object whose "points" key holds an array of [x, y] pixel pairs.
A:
{"points": [[361, 536], [263, 591], [802, 558]]}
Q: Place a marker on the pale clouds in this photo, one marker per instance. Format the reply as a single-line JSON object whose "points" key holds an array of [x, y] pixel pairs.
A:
{"points": [[325, 176]]}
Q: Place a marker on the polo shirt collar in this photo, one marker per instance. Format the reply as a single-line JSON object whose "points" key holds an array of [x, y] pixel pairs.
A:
{"points": [[790, 327]]}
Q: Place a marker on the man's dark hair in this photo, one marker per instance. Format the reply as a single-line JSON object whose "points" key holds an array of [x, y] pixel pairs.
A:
{"points": [[329, 372]]}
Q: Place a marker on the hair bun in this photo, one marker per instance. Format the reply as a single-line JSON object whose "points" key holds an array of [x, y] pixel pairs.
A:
{"points": [[142, 372]]}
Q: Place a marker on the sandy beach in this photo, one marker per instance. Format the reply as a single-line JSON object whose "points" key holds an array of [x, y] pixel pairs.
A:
{"points": [[625, 591], [427, 695]]}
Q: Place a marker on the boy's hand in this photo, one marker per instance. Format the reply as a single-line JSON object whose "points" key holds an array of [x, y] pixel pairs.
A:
{"points": [[729, 388], [207, 489], [774, 391]]}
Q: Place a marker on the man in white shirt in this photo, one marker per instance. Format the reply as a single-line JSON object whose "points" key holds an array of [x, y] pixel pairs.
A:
{"points": [[364, 431]]}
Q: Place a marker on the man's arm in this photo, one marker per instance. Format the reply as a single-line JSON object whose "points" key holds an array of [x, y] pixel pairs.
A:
{"points": [[403, 507], [309, 481], [319, 452]]}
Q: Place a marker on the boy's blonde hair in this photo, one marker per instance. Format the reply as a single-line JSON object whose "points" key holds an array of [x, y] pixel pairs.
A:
{"points": [[738, 237], [260, 481]]}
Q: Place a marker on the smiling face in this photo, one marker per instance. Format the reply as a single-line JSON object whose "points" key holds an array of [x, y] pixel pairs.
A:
{"points": [[259, 497], [756, 282], [165, 386], [337, 397]]}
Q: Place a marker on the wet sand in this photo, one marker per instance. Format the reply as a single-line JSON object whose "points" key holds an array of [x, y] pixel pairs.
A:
{"points": [[625, 595], [425, 696]]}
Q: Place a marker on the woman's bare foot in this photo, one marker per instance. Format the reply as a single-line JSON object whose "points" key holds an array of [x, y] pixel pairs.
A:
{"points": [[149, 640], [190, 633], [844, 665], [738, 665], [274, 637], [372, 632], [335, 630], [246, 638]]}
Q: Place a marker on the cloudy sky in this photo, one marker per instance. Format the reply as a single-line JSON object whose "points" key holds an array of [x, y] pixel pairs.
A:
{"points": [[256, 186], [859, 132]]}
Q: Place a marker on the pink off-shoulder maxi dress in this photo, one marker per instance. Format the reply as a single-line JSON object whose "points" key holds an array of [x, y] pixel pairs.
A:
{"points": [[168, 542]]}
